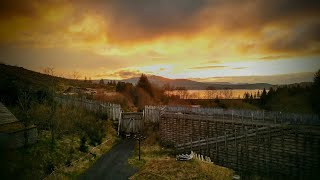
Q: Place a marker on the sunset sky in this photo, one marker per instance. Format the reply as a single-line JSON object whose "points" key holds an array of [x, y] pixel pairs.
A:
{"points": [[275, 41]]}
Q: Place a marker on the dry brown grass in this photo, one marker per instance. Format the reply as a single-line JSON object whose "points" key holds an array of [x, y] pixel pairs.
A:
{"points": [[159, 163], [169, 168]]}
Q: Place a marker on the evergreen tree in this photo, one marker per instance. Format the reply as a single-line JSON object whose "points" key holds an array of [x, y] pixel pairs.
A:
{"points": [[144, 84], [120, 87], [101, 82], [315, 97], [251, 98], [263, 98], [246, 96], [270, 93]]}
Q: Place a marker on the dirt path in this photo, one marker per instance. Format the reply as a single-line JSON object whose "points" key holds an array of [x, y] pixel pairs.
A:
{"points": [[114, 164]]}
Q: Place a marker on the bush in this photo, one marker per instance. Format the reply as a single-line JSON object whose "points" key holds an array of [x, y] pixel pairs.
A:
{"points": [[49, 168], [95, 130], [95, 138], [83, 146], [68, 162]]}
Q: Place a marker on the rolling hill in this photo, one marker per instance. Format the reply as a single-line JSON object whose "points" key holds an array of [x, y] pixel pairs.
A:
{"points": [[194, 85], [13, 77], [14, 80]]}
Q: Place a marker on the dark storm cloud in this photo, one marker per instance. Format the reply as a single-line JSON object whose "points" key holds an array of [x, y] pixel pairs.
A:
{"points": [[145, 19], [134, 21], [272, 10], [153, 16], [26, 8], [298, 39], [16, 8]]}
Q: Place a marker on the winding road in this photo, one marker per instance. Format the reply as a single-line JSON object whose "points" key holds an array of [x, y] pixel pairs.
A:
{"points": [[113, 164]]}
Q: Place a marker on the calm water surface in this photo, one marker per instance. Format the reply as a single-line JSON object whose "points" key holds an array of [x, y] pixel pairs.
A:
{"points": [[212, 94]]}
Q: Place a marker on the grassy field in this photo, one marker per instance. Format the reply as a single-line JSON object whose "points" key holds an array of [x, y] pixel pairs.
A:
{"points": [[159, 163], [65, 159]]}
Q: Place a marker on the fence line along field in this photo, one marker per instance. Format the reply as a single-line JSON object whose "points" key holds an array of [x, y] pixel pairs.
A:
{"points": [[113, 111], [247, 143]]}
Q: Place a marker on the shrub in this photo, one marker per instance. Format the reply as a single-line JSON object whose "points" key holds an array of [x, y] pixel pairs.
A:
{"points": [[94, 129], [68, 162], [49, 168], [83, 146]]}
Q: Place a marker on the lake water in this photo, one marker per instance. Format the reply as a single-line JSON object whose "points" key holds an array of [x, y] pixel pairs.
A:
{"points": [[212, 94]]}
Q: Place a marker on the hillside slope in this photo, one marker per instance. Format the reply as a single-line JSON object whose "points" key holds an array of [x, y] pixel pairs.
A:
{"points": [[15, 79], [194, 85]]}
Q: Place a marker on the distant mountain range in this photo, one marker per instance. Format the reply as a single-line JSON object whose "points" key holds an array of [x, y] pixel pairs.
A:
{"points": [[25, 78], [194, 85]]}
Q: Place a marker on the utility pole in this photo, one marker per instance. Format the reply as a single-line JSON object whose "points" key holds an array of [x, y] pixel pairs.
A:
{"points": [[139, 138], [139, 148]]}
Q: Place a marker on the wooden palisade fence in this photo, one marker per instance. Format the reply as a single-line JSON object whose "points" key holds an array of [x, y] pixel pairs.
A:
{"points": [[113, 111], [247, 144], [152, 113]]}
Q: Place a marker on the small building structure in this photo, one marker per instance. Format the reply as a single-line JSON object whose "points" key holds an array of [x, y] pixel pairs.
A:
{"points": [[13, 133]]}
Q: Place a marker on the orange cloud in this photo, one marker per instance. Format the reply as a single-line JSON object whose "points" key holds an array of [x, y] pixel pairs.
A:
{"points": [[121, 74], [209, 67], [182, 33]]}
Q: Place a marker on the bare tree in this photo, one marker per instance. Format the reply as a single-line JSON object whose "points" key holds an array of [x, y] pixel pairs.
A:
{"points": [[227, 93], [210, 92], [192, 95], [24, 101], [62, 75], [182, 92], [52, 121], [75, 75], [48, 71]]}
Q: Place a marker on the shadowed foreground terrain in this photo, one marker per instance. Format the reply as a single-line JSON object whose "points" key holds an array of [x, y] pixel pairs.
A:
{"points": [[114, 164]]}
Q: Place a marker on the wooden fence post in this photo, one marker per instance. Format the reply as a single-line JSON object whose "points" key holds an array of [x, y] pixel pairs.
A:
{"points": [[236, 147], [119, 124], [207, 136], [247, 149], [258, 149], [226, 147], [192, 134]]}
